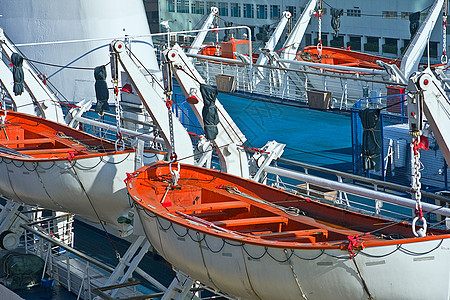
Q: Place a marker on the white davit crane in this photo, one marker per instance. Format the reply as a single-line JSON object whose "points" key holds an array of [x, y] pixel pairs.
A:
{"points": [[229, 140], [154, 100], [36, 94], [274, 38], [198, 41], [291, 45], [427, 98], [411, 59]]}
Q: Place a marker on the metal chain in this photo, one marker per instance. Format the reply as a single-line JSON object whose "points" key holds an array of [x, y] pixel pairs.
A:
{"points": [[119, 144], [416, 189], [319, 44], [3, 109], [217, 36], [169, 104], [444, 39], [417, 175]]}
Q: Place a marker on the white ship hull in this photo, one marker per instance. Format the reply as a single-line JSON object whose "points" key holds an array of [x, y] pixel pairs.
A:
{"points": [[39, 22]]}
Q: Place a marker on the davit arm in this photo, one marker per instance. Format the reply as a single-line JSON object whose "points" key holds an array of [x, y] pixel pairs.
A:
{"points": [[427, 98]]}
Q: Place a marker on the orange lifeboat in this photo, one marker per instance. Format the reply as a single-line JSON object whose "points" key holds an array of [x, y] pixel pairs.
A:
{"points": [[343, 57], [53, 166], [253, 241]]}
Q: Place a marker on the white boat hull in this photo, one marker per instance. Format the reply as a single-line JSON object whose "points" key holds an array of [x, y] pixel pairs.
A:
{"points": [[409, 271], [91, 187]]}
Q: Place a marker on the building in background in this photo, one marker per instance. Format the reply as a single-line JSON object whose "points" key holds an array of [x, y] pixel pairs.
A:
{"points": [[379, 27]]}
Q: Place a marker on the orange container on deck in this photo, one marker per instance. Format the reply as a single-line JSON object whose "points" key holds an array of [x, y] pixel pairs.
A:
{"points": [[233, 45]]}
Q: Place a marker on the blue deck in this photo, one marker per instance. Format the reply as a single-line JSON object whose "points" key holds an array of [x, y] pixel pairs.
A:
{"points": [[311, 136]]}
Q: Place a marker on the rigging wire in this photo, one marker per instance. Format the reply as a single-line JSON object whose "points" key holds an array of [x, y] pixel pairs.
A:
{"points": [[142, 65], [76, 59], [59, 66]]}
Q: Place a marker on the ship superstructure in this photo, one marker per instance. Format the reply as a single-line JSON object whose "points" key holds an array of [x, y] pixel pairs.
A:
{"points": [[377, 27]]}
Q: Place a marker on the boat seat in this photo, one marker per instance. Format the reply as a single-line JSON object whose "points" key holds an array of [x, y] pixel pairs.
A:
{"points": [[211, 215], [44, 151], [251, 221], [67, 141], [305, 232], [209, 207], [309, 234], [28, 141]]}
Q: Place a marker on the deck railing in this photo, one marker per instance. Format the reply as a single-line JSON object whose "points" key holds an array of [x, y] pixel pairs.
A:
{"points": [[291, 82], [357, 200]]}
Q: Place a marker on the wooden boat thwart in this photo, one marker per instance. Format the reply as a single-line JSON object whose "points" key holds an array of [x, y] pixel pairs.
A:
{"points": [[56, 167], [257, 242]]}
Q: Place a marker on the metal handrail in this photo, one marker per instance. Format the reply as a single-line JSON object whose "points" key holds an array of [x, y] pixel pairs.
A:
{"points": [[371, 181], [357, 190]]}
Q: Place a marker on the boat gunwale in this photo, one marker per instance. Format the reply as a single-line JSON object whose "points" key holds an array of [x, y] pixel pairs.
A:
{"points": [[175, 217], [357, 55], [64, 129], [351, 53], [76, 157]]}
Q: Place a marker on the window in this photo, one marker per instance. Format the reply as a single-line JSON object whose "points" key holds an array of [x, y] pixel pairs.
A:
{"points": [[223, 9], [261, 11], [252, 29], [293, 11], [210, 4], [354, 43], [248, 11], [183, 6], [275, 12], [171, 4], [198, 7], [389, 14], [405, 15], [337, 41], [433, 50], [324, 39], [390, 46], [353, 13], [235, 10], [372, 44], [308, 39], [405, 44]]}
